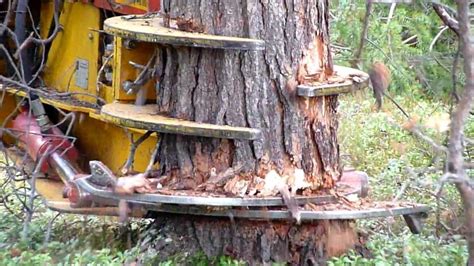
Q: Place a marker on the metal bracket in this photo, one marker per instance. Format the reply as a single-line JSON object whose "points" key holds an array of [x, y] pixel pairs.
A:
{"points": [[151, 28], [131, 87], [353, 80], [415, 221], [99, 186], [101, 175], [210, 200]]}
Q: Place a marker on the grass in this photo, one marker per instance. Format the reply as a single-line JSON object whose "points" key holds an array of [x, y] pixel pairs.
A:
{"points": [[378, 144]]}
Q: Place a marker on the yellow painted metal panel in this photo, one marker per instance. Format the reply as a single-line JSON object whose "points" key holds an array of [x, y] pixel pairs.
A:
{"points": [[147, 118], [74, 48], [123, 70], [140, 4], [47, 8], [110, 144], [50, 189], [79, 39], [56, 103]]}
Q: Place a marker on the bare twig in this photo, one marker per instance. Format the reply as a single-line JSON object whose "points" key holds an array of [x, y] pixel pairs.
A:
{"points": [[415, 130], [357, 56], [435, 39], [30, 205], [153, 158], [128, 166], [47, 235]]}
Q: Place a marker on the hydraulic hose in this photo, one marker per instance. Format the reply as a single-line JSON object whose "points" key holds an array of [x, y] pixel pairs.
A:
{"points": [[26, 63]]}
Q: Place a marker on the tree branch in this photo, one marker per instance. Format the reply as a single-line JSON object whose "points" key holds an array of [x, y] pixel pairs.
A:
{"points": [[446, 17], [363, 37], [455, 162]]}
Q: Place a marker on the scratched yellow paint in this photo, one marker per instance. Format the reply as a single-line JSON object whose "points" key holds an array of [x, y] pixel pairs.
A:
{"points": [[79, 39], [47, 8], [110, 144], [97, 140], [139, 4], [123, 70], [57, 103]]}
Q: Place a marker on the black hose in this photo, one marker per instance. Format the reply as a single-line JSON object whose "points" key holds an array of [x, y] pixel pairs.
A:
{"points": [[21, 34]]}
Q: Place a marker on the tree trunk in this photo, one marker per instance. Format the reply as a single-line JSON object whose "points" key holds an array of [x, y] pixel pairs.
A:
{"points": [[251, 89], [255, 89], [255, 242]]}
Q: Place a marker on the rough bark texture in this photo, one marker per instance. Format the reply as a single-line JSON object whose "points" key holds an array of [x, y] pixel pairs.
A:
{"points": [[251, 89], [256, 242], [464, 182]]}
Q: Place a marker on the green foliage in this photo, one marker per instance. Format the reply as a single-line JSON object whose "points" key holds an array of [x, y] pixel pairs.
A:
{"points": [[415, 68], [408, 250], [376, 143], [78, 240]]}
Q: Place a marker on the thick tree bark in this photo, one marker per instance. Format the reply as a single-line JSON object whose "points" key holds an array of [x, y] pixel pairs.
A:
{"points": [[255, 242], [251, 89], [257, 90]]}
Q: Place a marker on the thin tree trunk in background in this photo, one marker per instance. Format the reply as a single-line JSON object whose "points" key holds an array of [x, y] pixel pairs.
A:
{"points": [[251, 89], [459, 117], [357, 56]]}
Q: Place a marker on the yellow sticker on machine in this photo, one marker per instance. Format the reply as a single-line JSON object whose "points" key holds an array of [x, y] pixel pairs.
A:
{"points": [[140, 4]]}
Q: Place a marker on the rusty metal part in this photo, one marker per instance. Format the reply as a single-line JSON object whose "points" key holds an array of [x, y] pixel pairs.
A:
{"points": [[415, 221], [145, 75], [149, 198], [305, 215], [357, 179], [102, 179], [150, 29], [352, 80], [146, 117]]}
